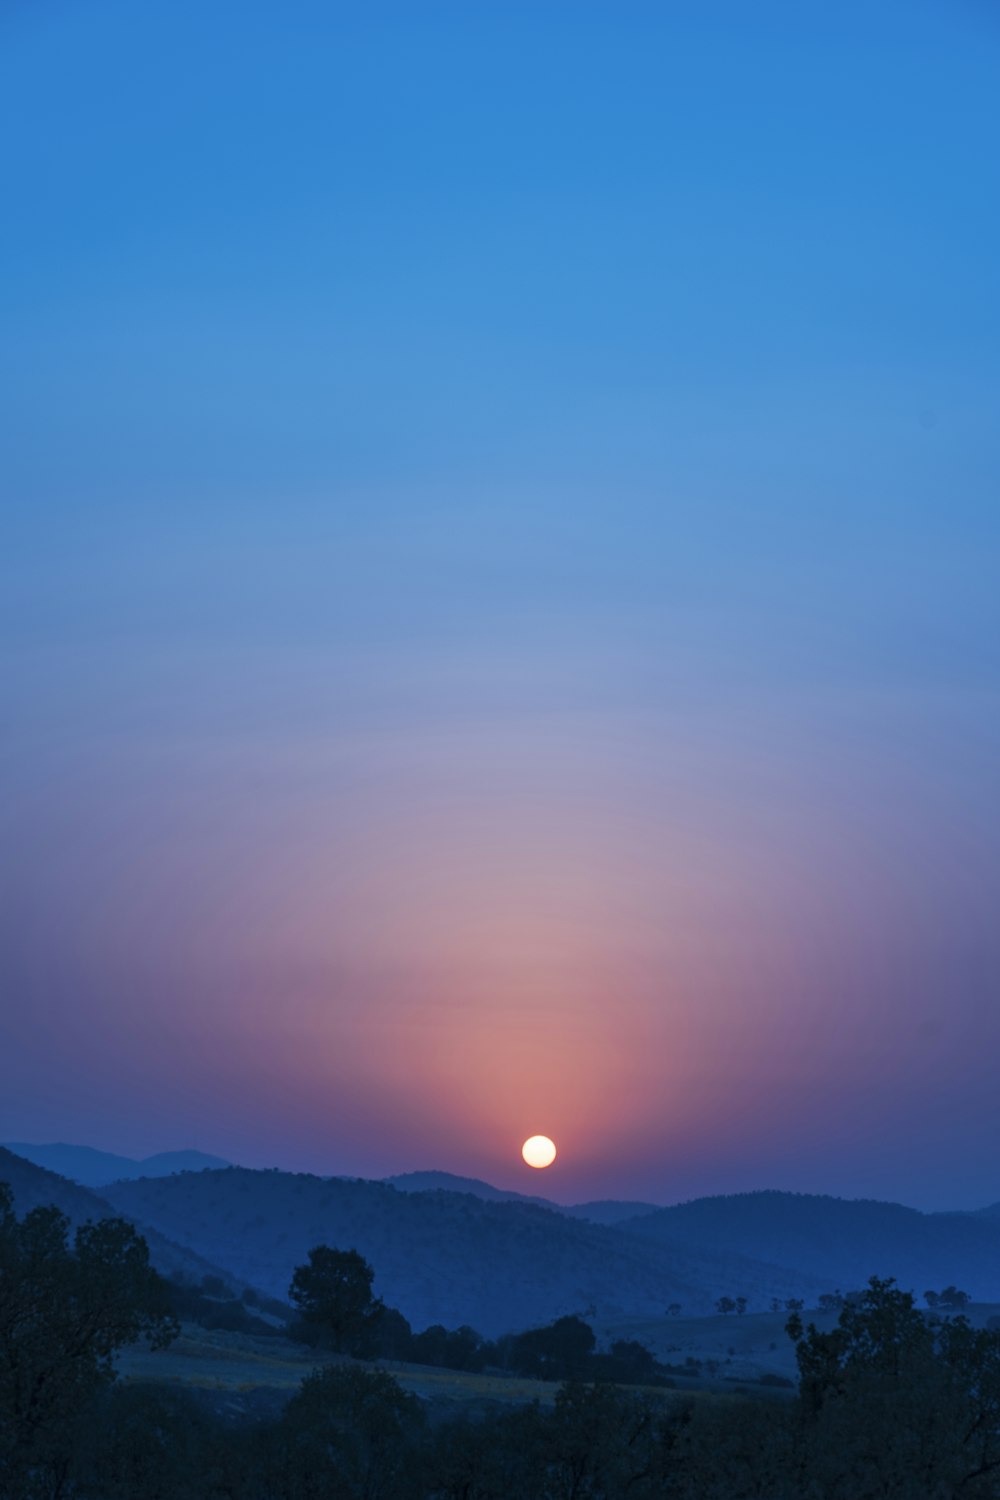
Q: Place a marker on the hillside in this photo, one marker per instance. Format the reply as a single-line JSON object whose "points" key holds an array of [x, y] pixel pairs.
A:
{"points": [[447, 1182], [92, 1168], [440, 1257], [605, 1211], [36, 1187], [608, 1210], [840, 1242]]}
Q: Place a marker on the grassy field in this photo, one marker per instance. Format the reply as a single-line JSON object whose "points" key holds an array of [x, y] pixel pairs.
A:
{"points": [[246, 1375], [243, 1376], [745, 1348]]}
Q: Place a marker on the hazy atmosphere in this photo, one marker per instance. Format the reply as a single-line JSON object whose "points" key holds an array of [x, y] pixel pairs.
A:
{"points": [[498, 591]]}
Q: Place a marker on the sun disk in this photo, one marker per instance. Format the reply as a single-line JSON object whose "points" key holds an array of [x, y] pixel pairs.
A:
{"points": [[539, 1151]]}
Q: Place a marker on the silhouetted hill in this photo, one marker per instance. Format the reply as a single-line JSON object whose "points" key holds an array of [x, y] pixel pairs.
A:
{"points": [[841, 1242], [447, 1182], [36, 1187], [441, 1257], [609, 1210], [604, 1211], [94, 1168]]}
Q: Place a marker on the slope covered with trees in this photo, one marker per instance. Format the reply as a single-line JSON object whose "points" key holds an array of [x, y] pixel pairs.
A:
{"points": [[448, 1258], [840, 1242], [35, 1187]]}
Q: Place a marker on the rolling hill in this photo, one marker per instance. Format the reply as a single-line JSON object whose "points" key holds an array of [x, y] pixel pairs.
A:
{"points": [[609, 1210], [840, 1242], [447, 1182], [441, 1257], [36, 1187], [92, 1168], [605, 1211]]}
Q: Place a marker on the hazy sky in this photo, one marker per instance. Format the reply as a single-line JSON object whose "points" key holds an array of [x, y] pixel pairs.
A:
{"points": [[500, 589]]}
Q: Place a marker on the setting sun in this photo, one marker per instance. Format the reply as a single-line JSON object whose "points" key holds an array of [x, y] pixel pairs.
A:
{"points": [[539, 1151]]}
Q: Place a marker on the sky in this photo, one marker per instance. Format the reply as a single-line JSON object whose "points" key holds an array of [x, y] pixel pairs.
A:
{"points": [[499, 609]]}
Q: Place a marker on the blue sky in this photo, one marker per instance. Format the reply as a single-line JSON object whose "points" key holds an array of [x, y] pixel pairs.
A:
{"points": [[500, 577]]}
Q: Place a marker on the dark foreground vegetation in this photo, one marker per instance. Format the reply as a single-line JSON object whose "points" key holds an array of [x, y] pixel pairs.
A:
{"points": [[893, 1403]]}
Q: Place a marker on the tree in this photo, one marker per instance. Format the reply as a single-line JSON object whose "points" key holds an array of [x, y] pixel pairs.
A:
{"points": [[630, 1363], [348, 1432], [334, 1296], [674, 1310], [561, 1351], [393, 1336], [932, 1299], [725, 1306], [882, 1334], [453, 1349], [64, 1313], [741, 1305], [151, 1442], [896, 1404], [598, 1443], [952, 1297]]}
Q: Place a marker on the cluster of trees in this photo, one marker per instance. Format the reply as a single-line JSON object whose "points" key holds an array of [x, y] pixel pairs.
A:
{"points": [[890, 1403], [338, 1311], [728, 1305], [951, 1297], [211, 1304]]}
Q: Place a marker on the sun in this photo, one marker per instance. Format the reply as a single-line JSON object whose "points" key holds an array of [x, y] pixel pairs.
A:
{"points": [[539, 1151]]}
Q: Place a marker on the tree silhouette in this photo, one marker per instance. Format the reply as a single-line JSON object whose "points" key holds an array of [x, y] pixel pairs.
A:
{"points": [[334, 1296], [348, 1432], [64, 1313]]}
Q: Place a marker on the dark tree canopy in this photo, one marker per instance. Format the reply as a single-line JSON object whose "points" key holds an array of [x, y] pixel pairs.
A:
{"points": [[561, 1351], [346, 1434], [64, 1312], [334, 1296]]}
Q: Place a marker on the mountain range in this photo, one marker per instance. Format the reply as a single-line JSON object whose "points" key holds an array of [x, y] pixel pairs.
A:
{"points": [[442, 1257], [841, 1242], [459, 1251]]}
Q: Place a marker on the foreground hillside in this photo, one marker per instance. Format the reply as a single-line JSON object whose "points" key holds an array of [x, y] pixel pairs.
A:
{"points": [[838, 1241], [35, 1187], [447, 1258]]}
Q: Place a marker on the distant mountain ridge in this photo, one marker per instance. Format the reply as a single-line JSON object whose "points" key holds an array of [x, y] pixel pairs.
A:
{"points": [[604, 1211], [447, 1182], [459, 1250], [93, 1168], [610, 1210], [841, 1241]]}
